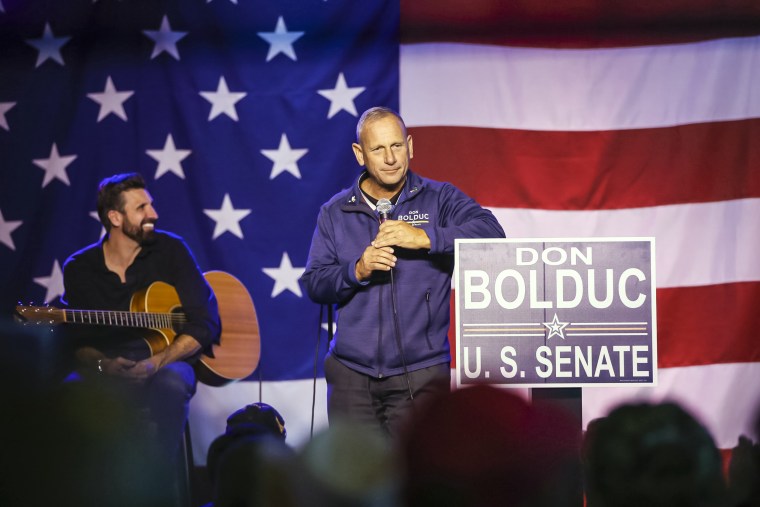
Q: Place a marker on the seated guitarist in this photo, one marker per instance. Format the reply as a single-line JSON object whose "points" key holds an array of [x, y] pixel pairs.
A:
{"points": [[105, 275]]}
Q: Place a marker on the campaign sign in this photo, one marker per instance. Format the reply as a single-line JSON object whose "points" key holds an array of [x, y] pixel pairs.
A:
{"points": [[544, 312]]}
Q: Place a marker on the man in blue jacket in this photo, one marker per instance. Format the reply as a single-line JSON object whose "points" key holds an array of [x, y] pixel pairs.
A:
{"points": [[391, 279]]}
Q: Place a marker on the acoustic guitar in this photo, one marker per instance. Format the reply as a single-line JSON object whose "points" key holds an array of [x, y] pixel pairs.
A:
{"points": [[158, 311]]}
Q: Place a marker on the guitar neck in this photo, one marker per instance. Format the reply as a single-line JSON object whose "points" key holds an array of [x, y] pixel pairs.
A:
{"points": [[124, 319]]}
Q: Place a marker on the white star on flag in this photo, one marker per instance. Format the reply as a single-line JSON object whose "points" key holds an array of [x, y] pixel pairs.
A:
{"points": [[94, 214], [285, 158], [4, 108], [48, 46], [341, 97], [556, 327], [281, 41], [285, 277], [111, 100], [6, 228], [227, 218], [326, 327], [54, 166], [165, 39], [169, 159], [53, 283], [223, 101]]}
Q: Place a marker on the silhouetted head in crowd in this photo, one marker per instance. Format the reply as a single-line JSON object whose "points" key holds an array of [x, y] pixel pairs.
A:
{"points": [[744, 468], [248, 423], [349, 465], [247, 464], [68, 445], [652, 455], [484, 446], [257, 418]]}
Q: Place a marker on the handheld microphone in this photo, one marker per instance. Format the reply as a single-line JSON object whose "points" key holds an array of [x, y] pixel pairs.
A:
{"points": [[384, 208]]}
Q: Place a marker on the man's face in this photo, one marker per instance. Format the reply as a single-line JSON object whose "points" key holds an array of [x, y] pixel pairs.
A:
{"points": [[385, 150], [139, 216]]}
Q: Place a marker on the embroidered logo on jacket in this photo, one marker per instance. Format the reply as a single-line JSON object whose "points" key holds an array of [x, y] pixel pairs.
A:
{"points": [[415, 218]]}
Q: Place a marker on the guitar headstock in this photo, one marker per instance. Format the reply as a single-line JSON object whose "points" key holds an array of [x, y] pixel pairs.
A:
{"points": [[41, 315]]}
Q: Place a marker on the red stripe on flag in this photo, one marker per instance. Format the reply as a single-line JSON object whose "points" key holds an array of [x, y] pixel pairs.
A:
{"points": [[594, 170], [708, 325], [576, 23]]}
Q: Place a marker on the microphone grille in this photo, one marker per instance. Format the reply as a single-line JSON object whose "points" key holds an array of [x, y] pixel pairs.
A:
{"points": [[384, 206]]}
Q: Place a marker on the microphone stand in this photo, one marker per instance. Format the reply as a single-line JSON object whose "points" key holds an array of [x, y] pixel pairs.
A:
{"points": [[384, 207]]}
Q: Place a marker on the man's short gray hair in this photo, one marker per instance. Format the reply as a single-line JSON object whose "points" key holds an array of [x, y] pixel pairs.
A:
{"points": [[375, 113]]}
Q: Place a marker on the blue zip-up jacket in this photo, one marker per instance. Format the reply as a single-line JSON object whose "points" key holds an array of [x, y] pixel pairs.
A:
{"points": [[365, 340]]}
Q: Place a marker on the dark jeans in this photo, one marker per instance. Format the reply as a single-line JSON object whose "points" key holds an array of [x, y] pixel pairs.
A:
{"points": [[380, 403]]}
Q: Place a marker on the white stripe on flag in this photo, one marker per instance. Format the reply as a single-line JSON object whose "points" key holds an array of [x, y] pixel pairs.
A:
{"points": [[447, 84], [696, 244]]}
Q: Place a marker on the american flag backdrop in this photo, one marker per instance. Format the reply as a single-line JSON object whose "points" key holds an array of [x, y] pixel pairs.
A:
{"points": [[589, 118], [603, 118]]}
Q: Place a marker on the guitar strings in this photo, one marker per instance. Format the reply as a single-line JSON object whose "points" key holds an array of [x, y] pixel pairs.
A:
{"points": [[130, 319]]}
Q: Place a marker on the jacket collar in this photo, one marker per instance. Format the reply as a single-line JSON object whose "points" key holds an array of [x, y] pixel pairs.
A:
{"points": [[355, 201]]}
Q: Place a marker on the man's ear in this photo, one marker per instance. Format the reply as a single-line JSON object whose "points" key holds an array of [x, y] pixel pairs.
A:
{"points": [[115, 217], [358, 153], [411, 146]]}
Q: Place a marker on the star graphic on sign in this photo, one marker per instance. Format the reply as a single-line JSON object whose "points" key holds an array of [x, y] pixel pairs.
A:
{"points": [[341, 97], [285, 277], [227, 218], [281, 41], [285, 158], [4, 108], [53, 283], [55, 166], [94, 214], [6, 228], [556, 327], [49, 46], [169, 159], [165, 39], [111, 100], [223, 100]]}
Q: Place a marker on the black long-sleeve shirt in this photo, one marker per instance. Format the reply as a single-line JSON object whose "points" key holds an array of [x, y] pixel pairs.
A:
{"points": [[90, 285]]}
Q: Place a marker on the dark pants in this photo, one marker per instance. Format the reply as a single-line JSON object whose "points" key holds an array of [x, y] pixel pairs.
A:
{"points": [[125, 437], [380, 403], [163, 400]]}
